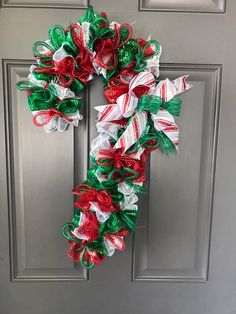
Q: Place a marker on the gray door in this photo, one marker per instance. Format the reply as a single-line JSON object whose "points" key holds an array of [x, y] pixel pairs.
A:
{"points": [[182, 259]]}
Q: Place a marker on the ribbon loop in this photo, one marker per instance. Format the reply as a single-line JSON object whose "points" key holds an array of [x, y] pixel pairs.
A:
{"points": [[124, 33], [47, 116], [77, 35], [85, 259], [66, 232], [107, 50], [26, 85], [57, 36], [47, 49], [150, 49]]}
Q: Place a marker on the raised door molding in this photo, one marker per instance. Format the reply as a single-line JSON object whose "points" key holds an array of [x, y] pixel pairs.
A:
{"points": [[172, 240], [194, 6], [42, 169], [54, 4]]}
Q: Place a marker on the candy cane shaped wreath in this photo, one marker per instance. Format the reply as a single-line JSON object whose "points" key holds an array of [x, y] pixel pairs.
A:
{"points": [[137, 119]]}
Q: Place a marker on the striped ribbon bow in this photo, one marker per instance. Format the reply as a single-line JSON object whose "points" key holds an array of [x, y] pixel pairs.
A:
{"points": [[127, 105]]}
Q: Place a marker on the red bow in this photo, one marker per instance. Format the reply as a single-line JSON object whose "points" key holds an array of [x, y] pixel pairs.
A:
{"points": [[48, 115], [78, 251], [106, 49], [66, 68], [114, 158], [84, 58], [66, 71], [87, 194], [117, 239], [89, 226], [111, 157], [116, 88], [149, 51]]}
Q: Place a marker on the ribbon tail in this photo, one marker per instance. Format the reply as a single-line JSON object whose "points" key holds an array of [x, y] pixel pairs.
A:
{"points": [[181, 84], [133, 131], [164, 121], [109, 112], [167, 89]]}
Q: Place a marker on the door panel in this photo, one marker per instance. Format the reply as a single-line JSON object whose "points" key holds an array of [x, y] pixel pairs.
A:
{"points": [[34, 163], [172, 240], [182, 257]]}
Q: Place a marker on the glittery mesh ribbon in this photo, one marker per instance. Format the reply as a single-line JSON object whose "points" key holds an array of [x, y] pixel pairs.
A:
{"points": [[137, 119]]}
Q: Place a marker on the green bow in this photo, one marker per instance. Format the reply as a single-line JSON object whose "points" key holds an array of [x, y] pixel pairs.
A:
{"points": [[150, 103]]}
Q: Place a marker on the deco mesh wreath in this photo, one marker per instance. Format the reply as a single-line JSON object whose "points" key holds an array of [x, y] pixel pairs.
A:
{"points": [[137, 120]]}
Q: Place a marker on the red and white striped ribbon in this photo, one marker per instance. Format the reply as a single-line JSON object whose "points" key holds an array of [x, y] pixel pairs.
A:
{"points": [[109, 112], [164, 121], [133, 131], [143, 78], [126, 103], [167, 89]]}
